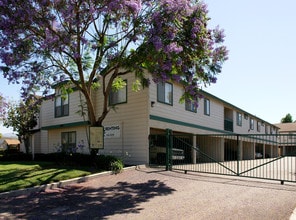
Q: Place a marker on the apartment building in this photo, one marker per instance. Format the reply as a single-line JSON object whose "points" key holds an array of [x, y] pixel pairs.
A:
{"points": [[287, 138], [138, 115]]}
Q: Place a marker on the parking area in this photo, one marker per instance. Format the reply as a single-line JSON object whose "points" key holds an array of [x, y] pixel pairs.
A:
{"points": [[150, 193]]}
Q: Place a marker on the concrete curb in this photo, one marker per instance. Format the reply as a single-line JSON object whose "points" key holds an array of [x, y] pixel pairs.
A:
{"points": [[63, 183]]}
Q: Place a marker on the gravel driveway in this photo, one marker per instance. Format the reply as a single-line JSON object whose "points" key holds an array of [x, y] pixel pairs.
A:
{"points": [[147, 193]]}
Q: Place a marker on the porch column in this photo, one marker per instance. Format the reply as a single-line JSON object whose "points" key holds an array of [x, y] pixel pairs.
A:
{"points": [[284, 151], [221, 149], [240, 150], [254, 150], [193, 152]]}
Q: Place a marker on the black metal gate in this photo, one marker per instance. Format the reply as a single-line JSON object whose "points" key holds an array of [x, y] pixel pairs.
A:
{"points": [[270, 157]]}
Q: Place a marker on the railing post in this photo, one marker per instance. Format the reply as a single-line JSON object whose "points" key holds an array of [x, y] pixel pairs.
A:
{"points": [[168, 159]]}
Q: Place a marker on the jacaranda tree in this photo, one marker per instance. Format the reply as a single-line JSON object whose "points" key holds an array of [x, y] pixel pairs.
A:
{"points": [[93, 43]]}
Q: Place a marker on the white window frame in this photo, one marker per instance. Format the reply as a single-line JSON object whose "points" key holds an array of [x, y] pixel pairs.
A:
{"points": [[239, 119], [62, 102], [165, 93], [207, 106], [190, 106], [251, 124]]}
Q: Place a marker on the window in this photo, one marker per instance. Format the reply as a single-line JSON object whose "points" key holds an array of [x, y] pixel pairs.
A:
{"points": [[251, 124], [266, 129], [165, 93], [207, 107], [69, 142], [239, 119], [118, 97], [190, 106], [61, 105], [258, 126], [246, 116]]}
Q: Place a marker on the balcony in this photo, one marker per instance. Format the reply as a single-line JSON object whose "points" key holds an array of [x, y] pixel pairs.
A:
{"points": [[228, 125]]}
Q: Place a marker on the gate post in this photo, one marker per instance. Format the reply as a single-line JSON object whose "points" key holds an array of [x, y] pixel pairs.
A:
{"points": [[238, 153], [168, 158]]}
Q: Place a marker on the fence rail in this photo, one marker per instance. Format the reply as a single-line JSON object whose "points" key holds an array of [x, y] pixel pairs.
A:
{"points": [[256, 156]]}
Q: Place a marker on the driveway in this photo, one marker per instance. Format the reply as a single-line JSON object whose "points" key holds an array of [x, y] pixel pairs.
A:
{"points": [[147, 193]]}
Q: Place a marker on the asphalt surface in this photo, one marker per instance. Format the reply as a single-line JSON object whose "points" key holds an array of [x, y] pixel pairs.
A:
{"points": [[147, 193]]}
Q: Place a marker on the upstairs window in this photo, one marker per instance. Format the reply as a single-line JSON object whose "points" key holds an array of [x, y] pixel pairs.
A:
{"points": [[239, 119], [206, 106], [119, 96], [266, 129], [165, 93], [251, 124], [258, 126], [190, 106], [246, 116], [61, 105]]}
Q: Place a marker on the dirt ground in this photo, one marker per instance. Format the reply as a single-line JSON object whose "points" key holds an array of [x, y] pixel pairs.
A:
{"points": [[147, 193]]}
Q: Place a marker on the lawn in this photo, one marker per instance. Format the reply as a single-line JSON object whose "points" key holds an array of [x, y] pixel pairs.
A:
{"points": [[20, 175]]}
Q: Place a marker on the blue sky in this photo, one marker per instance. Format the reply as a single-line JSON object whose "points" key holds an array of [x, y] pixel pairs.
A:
{"points": [[259, 75]]}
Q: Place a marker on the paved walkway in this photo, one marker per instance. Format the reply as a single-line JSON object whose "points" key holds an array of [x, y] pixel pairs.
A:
{"points": [[148, 193]]}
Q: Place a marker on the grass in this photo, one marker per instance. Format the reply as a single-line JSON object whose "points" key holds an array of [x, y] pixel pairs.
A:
{"points": [[20, 175]]}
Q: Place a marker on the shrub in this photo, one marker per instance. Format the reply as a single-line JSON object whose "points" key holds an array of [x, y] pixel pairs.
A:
{"points": [[15, 156], [116, 166], [108, 162]]}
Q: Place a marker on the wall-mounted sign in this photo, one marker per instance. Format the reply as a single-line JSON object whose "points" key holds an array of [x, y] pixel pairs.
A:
{"points": [[96, 137], [112, 131]]}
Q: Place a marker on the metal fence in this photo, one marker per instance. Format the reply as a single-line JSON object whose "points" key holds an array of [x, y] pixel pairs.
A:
{"points": [[256, 156]]}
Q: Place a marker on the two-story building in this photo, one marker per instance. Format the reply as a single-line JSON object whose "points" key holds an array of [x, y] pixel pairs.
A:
{"points": [[138, 115], [287, 138]]}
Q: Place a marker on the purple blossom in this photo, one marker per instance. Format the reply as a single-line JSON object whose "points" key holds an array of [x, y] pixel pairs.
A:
{"points": [[213, 79], [157, 43], [172, 36], [173, 48], [167, 66], [218, 35], [176, 77]]}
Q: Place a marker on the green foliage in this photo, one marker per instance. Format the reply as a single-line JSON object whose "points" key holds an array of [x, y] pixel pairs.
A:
{"points": [[118, 84], [22, 118], [116, 166], [108, 162], [136, 86], [287, 119]]}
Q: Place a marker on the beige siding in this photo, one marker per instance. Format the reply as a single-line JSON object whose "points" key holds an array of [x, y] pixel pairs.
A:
{"points": [[43, 143], [54, 142], [48, 111], [177, 112], [199, 123], [132, 117]]}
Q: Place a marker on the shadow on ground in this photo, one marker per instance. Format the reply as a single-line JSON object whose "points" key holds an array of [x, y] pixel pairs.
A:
{"points": [[72, 202]]}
